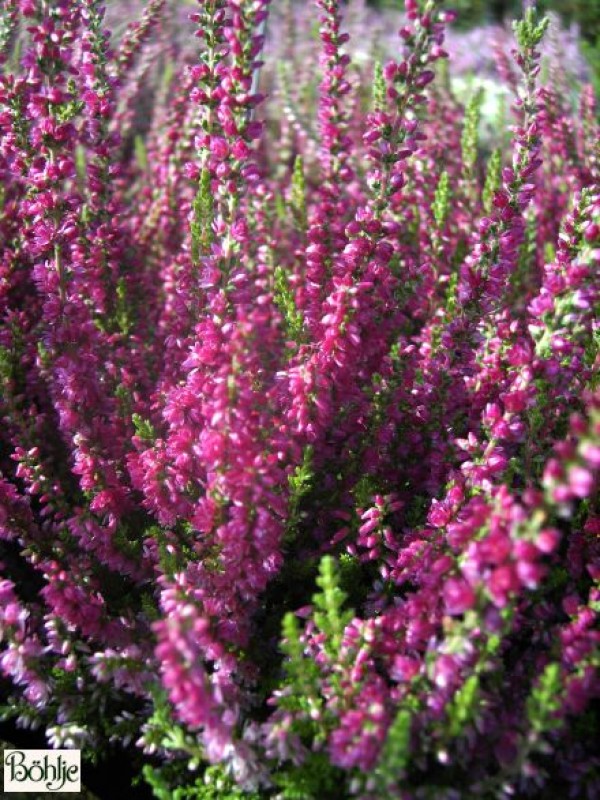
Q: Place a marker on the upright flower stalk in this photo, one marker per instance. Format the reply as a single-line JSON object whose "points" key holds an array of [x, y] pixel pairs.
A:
{"points": [[327, 223]]}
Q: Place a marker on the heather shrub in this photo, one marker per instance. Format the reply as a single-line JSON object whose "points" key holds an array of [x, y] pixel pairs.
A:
{"points": [[300, 411]]}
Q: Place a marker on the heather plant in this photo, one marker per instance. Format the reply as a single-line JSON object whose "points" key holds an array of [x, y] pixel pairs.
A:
{"points": [[300, 410]]}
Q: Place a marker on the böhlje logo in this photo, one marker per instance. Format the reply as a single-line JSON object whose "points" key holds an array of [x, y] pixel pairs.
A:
{"points": [[42, 771]]}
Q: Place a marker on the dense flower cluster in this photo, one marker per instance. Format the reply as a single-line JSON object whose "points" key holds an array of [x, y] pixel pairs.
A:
{"points": [[300, 413]]}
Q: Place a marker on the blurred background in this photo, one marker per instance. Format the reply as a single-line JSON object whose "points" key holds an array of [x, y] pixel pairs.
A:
{"points": [[584, 15]]}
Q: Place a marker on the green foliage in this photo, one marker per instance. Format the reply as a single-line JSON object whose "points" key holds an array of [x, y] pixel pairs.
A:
{"points": [[379, 88], [521, 277], [81, 165], [396, 751], [7, 26], [301, 479], [301, 482], [168, 74], [350, 573], [545, 700], [143, 428], [299, 193], [528, 32], [315, 779], [284, 298], [68, 110], [176, 548], [329, 616], [301, 692], [6, 365], [203, 212], [301, 673], [141, 154], [463, 706], [149, 606], [470, 135], [163, 732], [214, 784], [367, 486], [128, 541], [451, 300], [280, 207], [441, 201], [492, 179], [123, 311], [157, 782]]}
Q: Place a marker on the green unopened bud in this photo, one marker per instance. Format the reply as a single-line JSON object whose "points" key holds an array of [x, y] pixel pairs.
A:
{"points": [[379, 88], [441, 201], [492, 179], [529, 33], [470, 134]]}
